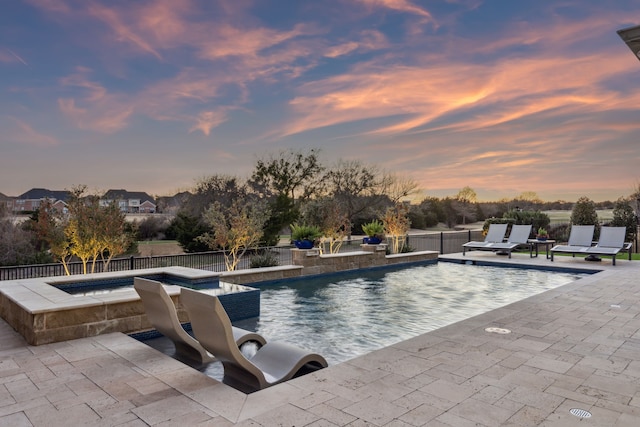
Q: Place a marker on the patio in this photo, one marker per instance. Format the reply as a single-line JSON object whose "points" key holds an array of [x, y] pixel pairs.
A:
{"points": [[574, 347]]}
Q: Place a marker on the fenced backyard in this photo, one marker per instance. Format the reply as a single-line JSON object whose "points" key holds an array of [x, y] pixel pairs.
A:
{"points": [[443, 242]]}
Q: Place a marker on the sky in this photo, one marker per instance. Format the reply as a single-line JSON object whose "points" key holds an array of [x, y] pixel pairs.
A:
{"points": [[502, 96]]}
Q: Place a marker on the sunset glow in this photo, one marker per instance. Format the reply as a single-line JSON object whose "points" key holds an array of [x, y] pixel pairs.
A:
{"points": [[504, 97]]}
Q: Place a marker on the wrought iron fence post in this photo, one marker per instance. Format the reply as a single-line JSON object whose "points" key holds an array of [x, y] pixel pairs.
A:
{"points": [[132, 263], [442, 243]]}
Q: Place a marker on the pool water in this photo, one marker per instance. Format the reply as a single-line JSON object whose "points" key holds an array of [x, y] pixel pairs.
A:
{"points": [[350, 314]]}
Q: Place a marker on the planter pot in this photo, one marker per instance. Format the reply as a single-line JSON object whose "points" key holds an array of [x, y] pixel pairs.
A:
{"points": [[303, 244], [542, 239], [372, 240]]}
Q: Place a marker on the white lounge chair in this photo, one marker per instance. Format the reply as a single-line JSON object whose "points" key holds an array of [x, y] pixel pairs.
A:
{"points": [[611, 243], [494, 242], [519, 236], [580, 240], [162, 314], [273, 363], [495, 234]]}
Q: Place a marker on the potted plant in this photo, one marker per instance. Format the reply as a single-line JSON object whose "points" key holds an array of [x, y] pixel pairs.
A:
{"points": [[374, 231], [542, 234], [304, 236]]}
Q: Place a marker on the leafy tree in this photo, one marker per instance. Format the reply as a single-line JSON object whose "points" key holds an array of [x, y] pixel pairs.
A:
{"points": [[635, 199], [41, 222], [283, 211], [584, 213], [292, 173], [466, 199], [90, 231], [59, 246], [82, 228], [215, 188], [286, 181], [624, 216], [235, 229], [115, 234], [16, 243], [418, 218], [189, 223], [434, 211], [185, 229]]}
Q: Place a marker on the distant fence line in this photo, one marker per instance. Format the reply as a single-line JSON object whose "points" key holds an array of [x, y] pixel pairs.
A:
{"points": [[443, 242]]}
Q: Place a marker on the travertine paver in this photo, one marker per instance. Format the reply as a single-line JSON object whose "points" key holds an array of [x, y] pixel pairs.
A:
{"points": [[577, 346]]}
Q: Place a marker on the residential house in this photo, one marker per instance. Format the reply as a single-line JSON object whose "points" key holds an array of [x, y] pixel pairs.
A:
{"points": [[130, 201], [32, 199], [6, 203], [171, 204]]}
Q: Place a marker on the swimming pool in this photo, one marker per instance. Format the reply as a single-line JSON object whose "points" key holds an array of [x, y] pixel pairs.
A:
{"points": [[346, 315]]}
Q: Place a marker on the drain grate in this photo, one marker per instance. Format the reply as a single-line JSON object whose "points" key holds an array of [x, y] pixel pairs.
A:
{"points": [[498, 330], [580, 413]]}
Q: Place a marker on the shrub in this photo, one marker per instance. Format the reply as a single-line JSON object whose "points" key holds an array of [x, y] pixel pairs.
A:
{"points": [[624, 216], [536, 218], [373, 229], [305, 232], [264, 258], [584, 213], [151, 228]]}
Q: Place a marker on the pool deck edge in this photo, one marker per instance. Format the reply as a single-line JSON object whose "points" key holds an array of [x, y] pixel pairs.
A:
{"points": [[575, 346]]}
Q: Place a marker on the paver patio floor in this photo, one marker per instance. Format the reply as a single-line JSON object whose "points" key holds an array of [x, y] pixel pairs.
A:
{"points": [[574, 347]]}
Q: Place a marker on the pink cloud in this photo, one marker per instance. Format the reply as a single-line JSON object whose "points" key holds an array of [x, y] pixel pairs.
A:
{"points": [[95, 109], [25, 133], [401, 6], [208, 120]]}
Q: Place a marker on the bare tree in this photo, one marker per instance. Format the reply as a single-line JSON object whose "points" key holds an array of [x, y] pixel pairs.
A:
{"points": [[396, 226], [358, 188], [397, 187]]}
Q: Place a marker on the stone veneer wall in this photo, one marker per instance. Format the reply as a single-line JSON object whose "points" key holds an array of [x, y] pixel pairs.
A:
{"points": [[68, 323]]}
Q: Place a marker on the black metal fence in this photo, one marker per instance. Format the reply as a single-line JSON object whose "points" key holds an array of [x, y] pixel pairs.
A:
{"points": [[442, 242], [212, 261]]}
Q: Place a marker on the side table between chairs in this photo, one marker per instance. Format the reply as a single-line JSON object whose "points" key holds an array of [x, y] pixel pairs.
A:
{"points": [[535, 243]]}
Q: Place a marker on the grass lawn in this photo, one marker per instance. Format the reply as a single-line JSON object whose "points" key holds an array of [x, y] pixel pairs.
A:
{"points": [[159, 247], [621, 255], [559, 217]]}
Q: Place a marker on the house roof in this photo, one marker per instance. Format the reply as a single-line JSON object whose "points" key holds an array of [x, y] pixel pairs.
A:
{"points": [[43, 193], [127, 195], [177, 199]]}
